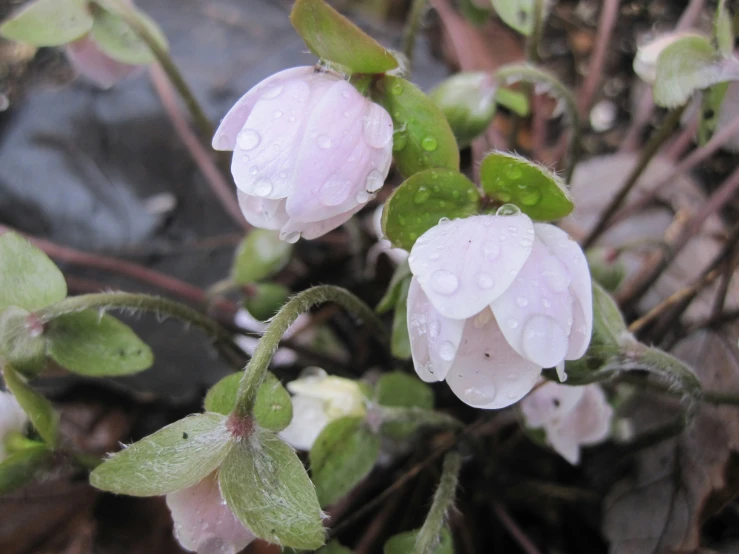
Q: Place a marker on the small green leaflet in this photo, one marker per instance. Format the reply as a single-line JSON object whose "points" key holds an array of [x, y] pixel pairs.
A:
{"points": [[48, 22]]}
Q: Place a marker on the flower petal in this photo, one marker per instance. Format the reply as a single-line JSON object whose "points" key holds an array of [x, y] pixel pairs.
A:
{"points": [[87, 58], [550, 403], [487, 373], [590, 421], [293, 230], [12, 419], [233, 122], [309, 419], [202, 521], [465, 264], [571, 255], [535, 312], [263, 212], [434, 338]]}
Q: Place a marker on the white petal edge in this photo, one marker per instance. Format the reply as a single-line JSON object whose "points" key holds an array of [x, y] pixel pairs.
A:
{"points": [[309, 419]]}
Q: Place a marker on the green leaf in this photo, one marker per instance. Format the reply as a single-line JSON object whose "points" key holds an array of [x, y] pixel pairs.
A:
{"points": [[260, 255], [221, 398], [48, 22], [405, 543], [606, 267], [28, 278], [118, 40], [334, 547], [513, 100], [723, 29], [19, 344], [174, 458], [422, 200], [22, 467], [332, 37], [517, 14], [38, 409], [687, 65], [538, 192], [710, 112], [273, 408], [475, 14], [402, 273], [400, 341], [423, 138], [402, 390], [343, 454], [267, 488], [265, 300], [401, 423], [89, 344]]}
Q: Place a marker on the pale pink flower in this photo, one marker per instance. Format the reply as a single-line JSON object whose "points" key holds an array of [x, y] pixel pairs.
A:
{"points": [[493, 300], [203, 523], [309, 151], [90, 61], [12, 419], [570, 417]]}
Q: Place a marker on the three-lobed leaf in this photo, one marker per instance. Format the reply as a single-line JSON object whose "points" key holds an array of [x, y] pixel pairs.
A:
{"points": [[28, 278], [38, 409], [96, 346], [422, 200], [342, 455], [174, 458], [260, 255], [48, 22], [537, 191], [332, 37], [267, 488], [423, 138]]}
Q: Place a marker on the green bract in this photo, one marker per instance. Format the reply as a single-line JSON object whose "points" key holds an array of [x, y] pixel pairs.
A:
{"points": [[423, 138], [21, 467], [260, 255], [117, 39], [264, 300], [19, 345], [39, 410], [333, 37], [400, 342], [267, 488], [48, 22], [422, 200], [390, 299], [517, 14], [96, 345], [689, 64], [174, 458], [399, 389], [28, 278], [343, 454], [538, 192]]}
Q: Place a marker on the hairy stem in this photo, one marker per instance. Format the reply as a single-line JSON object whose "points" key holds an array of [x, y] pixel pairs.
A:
{"points": [[428, 537], [532, 43], [300, 303], [418, 7], [658, 138]]}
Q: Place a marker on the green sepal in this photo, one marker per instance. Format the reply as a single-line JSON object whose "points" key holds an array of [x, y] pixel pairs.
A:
{"points": [[423, 138], [260, 255], [21, 467], [48, 22], [517, 14], [422, 200], [404, 543], [39, 410], [342, 455], [265, 300], [400, 341], [118, 40], [604, 269], [537, 191], [28, 278], [20, 346], [723, 29], [398, 389], [332, 37], [402, 273], [176, 457], [267, 488]]}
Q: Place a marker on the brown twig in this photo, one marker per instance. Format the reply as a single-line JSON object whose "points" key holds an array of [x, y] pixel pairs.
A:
{"points": [[514, 529]]}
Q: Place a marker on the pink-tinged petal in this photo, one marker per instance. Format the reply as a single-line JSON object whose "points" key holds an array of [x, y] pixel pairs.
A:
{"points": [[333, 157], [233, 122], [202, 521], [487, 373], [262, 212], [88, 60], [293, 230], [571, 255], [378, 127], [434, 338], [309, 419], [550, 403], [465, 264], [592, 417], [535, 312]]}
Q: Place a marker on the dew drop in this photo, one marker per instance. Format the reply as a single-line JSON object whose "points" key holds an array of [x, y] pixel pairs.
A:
{"points": [[546, 303], [444, 282], [434, 329], [374, 181], [429, 144], [422, 194], [443, 221], [434, 256], [291, 238], [485, 281], [490, 250], [512, 323], [263, 187], [512, 229], [514, 173], [446, 351], [504, 196], [277, 114], [245, 158], [508, 209], [272, 92], [400, 140], [396, 89], [248, 139], [530, 196], [324, 142], [522, 301], [362, 197], [253, 170], [345, 94], [525, 242]]}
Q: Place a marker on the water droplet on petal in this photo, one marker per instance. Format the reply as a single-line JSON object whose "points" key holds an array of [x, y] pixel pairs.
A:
{"points": [[485, 281], [444, 282], [522, 301], [446, 351], [263, 187], [248, 139], [272, 92], [512, 323], [362, 197], [253, 170], [277, 114], [429, 144], [292, 238], [490, 250], [324, 142], [434, 329], [508, 209], [525, 242], [546, 303], [444, 221], [374, 181], [434, 256], [514, 173]]}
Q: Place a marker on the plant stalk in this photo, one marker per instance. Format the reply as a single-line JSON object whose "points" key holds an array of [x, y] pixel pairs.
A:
{"points": [[418, 7], [428, 537]]}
